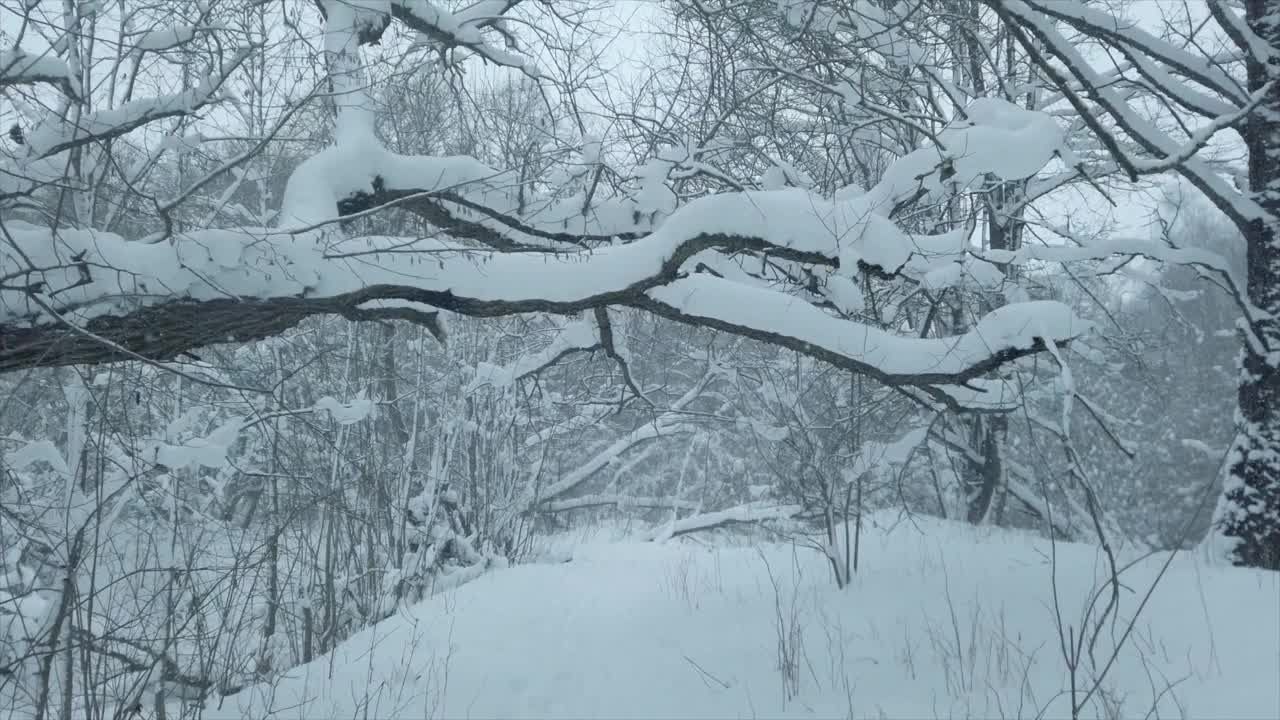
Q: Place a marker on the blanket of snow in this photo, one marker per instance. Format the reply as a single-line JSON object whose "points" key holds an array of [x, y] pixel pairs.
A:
{"points": [[942, 620]]}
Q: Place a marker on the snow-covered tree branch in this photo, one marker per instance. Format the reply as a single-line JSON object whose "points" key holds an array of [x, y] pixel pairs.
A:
{"points": [[80, 295]]}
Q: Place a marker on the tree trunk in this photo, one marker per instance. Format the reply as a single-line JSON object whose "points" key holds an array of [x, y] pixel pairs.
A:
{"points": [[1249, 511], [984, 482]]}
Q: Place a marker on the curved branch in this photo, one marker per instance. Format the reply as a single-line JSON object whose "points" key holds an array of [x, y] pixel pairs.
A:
{"points": [[169, 329]]}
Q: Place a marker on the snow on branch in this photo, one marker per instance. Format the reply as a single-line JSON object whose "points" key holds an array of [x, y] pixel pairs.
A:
{"points": [[1194, 83], [1235, 28], [1206, 260], [666, 423], [621, 502], [18, 67], [82, 296], [37, 451], [463, 29], [475, 202], [210, 451], [71, 288], [1195, 67], [664, 427], [578, 336], [56, 135], [754, 512], [161, 39], [162, 300]]}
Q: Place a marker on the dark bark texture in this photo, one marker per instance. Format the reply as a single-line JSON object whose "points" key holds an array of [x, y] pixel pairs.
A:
{"points": [[1251, 512]]}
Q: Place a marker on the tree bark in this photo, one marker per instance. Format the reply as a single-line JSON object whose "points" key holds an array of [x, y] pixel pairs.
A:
{"points": [[1249, 511]]}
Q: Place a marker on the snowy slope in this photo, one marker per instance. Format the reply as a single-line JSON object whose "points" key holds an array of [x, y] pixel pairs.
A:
{"points": [[942, 621]]}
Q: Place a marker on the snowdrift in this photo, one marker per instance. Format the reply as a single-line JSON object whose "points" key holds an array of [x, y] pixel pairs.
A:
{"points": [[942, 620]]}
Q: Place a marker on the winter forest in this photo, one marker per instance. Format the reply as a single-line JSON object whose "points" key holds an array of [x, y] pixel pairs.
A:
{"points": [[639, 359]]}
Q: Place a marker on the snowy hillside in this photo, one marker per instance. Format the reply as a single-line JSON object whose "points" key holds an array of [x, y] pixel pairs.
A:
{"points": [[943, 620]]}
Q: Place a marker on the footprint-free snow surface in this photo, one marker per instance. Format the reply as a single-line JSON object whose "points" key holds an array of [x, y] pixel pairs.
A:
{"points": [[942, 620]]}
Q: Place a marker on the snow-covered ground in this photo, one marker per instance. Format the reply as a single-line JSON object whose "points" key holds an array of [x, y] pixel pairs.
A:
{"points": [[942, 620]]}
